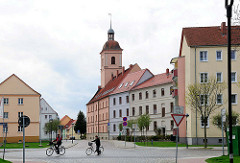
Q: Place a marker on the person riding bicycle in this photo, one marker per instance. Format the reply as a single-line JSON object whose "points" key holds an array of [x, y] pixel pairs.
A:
{"points": [[57, 142], [98, 143]]}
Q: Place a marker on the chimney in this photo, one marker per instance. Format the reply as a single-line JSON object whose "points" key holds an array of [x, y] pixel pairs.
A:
{"points": [[167, 71], [99, 87], [112, 76], [130, 66], [223, 28], [123, 70], [117, 74]]}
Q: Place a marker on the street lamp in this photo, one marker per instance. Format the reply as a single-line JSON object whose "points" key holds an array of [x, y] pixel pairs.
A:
{"points": [[51, 121], [187, 115], [72, 132]]}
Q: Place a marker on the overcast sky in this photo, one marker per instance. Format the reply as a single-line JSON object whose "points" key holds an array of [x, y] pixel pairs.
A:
{"points": [[54, 45]]}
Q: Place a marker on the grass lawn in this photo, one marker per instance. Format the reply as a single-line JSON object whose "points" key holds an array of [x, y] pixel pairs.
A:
{"points": [[4, 161], [27, 145], [223, 159], [169, 144]]}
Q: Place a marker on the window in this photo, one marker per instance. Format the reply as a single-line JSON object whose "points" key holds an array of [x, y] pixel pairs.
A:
{"points": [[133, 97], [126, 84], [202, 122], [120, 85], [114, 113], [203, 56], [114, 101], [233, 77], [146, 94], [127, 111], [140, 110], [219, 77], [218, 55], [20, 128], [204, 99], [203, 77], [162, 91], [120, 100], [234, 99], [171, 90], [114, 127], [140, 96], [20, 101], [154, 93], [5, 115], [127, 99], [133, 111], [233, 54], [154, 109], [5, 101], [219, 99], [112, 60], [50, 116], [45, 116], [147, 109], [155, 126], [120, 113], [171, 107], [132, 82], [20, 114], [163, 111], [172, 124]]}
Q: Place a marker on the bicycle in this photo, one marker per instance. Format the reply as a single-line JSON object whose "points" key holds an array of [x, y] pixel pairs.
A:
{"points": [[52, 148], [91, 150]]}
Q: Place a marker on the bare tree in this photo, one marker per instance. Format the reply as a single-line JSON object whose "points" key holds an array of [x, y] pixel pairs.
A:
{"points": [[203, 96]]}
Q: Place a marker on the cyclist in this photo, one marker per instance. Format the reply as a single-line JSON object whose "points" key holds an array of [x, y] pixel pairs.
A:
{"points": [[98, 143], [57, 142]]}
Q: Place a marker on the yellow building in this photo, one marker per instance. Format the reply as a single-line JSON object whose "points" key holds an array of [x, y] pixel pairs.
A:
{"points": [[203, 54], [19, 99]]}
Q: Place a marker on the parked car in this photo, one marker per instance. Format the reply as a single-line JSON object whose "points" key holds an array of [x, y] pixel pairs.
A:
{"points": [[72, 138]]}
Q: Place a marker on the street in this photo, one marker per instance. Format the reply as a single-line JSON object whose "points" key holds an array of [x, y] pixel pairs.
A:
{"points": [[114, 151]]}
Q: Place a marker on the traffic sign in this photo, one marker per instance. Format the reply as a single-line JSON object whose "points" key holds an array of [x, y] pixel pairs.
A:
{"points": [[124, 119], [124, 123], [26, 121], [178, 118]]}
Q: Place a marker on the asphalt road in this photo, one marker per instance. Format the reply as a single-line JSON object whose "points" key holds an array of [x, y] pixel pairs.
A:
{"points": [[114, 152]]}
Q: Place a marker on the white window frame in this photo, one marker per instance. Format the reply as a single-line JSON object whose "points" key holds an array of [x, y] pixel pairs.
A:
{"points": [[202, 73], [20, 101], [235, 99], [203, 102], [20, 128], [202, 126], [5, 115], [217, 55], [235, 56], [235, 77], [205, 58], [221, 99], [217, 77], [5, 101]]}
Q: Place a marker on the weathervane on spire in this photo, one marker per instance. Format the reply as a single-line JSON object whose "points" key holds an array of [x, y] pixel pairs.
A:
{"points": [[110, 15]]}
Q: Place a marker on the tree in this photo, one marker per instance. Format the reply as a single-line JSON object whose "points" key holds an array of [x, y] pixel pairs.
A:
{"points": [[143, 122], [52, 126], [203, 97], [217, 120], [140, 124], [81, 123]]}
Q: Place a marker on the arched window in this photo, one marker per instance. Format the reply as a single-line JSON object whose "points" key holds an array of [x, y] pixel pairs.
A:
{"points": [[113, 60]]}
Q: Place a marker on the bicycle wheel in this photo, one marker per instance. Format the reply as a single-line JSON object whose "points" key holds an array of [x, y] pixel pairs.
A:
{"points": [[61, 150], [101, 149], [49, 151], [88, 151]]}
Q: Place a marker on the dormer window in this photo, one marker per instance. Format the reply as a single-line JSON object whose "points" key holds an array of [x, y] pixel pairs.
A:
{"points": [[126, 84], [120, 85], [132, 82]]}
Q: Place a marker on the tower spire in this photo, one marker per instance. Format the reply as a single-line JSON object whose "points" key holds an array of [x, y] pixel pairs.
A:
{"points": [[110, 31]]}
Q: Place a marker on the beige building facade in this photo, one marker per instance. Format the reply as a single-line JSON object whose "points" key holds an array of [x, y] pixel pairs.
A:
{"points": [[19, 99]]}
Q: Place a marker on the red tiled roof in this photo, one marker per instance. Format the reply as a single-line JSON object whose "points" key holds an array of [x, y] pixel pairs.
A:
{"points": [[64, 117], [125, 84], [209, 36], [69, 123], [110, 86], [156, 80]]}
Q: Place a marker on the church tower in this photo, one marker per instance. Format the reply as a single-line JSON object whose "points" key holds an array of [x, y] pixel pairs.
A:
{"points": [[111, 58]]}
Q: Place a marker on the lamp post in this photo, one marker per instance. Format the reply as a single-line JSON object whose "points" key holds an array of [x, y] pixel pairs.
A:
{"points": [[186, 131], [72, 132], [51, 121]]}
